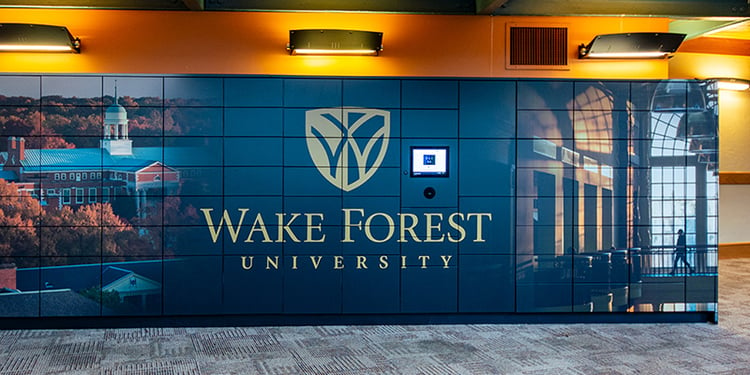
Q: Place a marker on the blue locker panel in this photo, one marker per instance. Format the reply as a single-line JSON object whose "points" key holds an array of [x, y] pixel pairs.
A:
{"points": [[325, 122], [186, 210], [66, 282], [195, 122], [642, 94], [193, 92], [87, 122], [29, 123], [252, 285], [192, 240], [545, 124], [428, 94], [138, 240], [309, 181], [310, 240], [253, 122], [429, 230], [372, 240], [429, 290], [545, 95], [296, 152], [253, 92], [259, 231], [486, 167], [20, 90], [134, 92], [496, 234], [545, 182], [602, 95], [669, 96], [487, 109], [384, 181], [486, 283], [27, 279], [309, 290], [372, 137], [206, 181], [87, 157], [370, 225], [544, 298], [370, 205], [600, 156], [151, 126], [312, 92], [370, 285], [28, 239], [545, 154], [186, 294], [75, 90], [701, 291], [267, 206], [600, 125], [435, 123], [70, 241], [252, 181], [659, 296], [601, 297], [253, 152], [137, 281], [329, 208], [193, 152], [372, 93], [558, 269]]}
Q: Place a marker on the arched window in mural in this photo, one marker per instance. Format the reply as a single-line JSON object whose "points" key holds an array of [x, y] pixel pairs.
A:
{"points": [[684, 180]]}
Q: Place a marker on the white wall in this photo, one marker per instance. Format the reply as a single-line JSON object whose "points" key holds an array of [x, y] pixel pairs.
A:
{"points": [[734, 213], [734, 131]]}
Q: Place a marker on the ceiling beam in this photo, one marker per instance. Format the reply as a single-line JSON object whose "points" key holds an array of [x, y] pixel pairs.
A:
{"points": [[680, 8], [489, 6], [195, 4], [698, 28], [716, 46]]}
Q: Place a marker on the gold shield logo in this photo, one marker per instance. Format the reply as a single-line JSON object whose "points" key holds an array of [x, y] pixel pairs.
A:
{"points": [[347, 145]]}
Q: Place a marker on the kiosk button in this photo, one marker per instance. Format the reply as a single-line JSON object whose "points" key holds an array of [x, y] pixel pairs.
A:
{"points": [[429, 192]]}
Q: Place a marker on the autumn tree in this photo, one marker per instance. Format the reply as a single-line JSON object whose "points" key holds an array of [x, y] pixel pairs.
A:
{"points": [[19, 222]]}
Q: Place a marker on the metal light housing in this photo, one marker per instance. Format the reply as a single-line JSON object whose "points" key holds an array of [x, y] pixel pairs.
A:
{"points": [[19, 37], [334, 42], [631, 46]]}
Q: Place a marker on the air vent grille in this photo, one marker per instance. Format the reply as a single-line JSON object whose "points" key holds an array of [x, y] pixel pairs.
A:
{"points": [[537, 47]]}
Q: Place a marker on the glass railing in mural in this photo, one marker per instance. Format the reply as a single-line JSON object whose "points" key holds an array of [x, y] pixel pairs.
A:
{"points": [[667, 261], [626, 280]]}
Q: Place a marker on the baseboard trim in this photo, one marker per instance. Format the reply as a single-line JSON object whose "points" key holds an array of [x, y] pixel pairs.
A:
{"points": [[734, 250], [734, 178]]}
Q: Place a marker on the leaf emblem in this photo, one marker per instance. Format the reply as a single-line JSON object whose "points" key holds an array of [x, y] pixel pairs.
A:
{"points": [[341, 141]]}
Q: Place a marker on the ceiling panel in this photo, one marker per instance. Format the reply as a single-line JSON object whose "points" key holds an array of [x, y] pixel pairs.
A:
{"points": [[673, 8], [737, 31], [101, 4], [670, 8], [398, 6]]}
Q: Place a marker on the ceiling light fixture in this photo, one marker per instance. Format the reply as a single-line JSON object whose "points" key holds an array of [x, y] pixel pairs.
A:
{"points": [[19, 37], [732, 84], [334, 42], [631, 46]]}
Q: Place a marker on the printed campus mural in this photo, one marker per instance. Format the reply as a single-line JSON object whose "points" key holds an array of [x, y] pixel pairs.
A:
{"points": [[125, 195]]}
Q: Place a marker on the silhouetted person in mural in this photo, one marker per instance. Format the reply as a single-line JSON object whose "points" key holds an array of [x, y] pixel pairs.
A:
{"points": [[680, 252]]}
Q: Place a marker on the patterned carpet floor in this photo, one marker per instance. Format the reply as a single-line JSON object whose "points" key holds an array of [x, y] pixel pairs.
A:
{"points": [[558, 349]]}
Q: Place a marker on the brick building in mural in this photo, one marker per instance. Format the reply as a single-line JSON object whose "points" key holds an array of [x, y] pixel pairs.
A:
{"points": [[79, 176]]}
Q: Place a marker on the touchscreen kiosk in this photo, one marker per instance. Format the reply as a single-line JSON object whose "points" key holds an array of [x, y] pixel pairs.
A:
{"points": [[429, 161]]}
